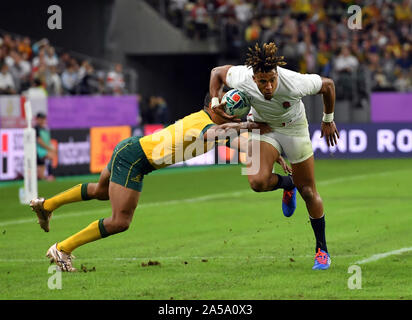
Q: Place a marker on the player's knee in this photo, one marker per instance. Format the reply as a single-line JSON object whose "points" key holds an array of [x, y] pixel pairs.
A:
{"points": [[258, 184], [308, 193]]}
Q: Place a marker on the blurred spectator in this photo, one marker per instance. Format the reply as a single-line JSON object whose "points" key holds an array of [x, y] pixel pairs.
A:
{"points": [[39, 59], [41, 44], [306, 45], [346, 62], [115, 80], [403, 11], [404, 82], [53, 82], [21, 71], [404, 62], [101, 82], [290, 50], [162, 112], [88, 83], [272, 33], [200, 19], [50, 57], [289, 26], [225, 9], [6, 81], [252, 32], [8, 44], [317, 14], [301, 9], [176, 10], [158, 111], [64, 62], [24, 48], [9, 60], [380, 81], [45, 150], [394, 46], [309, 62], [233, 41], [324, 56], [243, 12], [345, 65], [70, 79], [388, 66], [2, 51]]}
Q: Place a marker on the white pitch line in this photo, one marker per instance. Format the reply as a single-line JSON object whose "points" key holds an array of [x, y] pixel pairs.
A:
{"points": [[379, 256], [240, 193]]}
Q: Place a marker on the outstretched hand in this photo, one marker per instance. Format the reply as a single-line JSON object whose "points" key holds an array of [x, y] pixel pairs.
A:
{"points": [[262, 126], [286, 168], [330, 132], [220, 110]]}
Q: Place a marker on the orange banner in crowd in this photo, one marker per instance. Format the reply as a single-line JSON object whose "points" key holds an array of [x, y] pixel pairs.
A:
{"points": [[103, 140]]}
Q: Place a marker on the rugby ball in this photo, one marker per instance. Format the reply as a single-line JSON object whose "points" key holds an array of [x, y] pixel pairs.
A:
{"points": [[237, 103]]}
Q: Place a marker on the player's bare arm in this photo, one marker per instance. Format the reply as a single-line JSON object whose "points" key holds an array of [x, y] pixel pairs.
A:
{"points": [[217, 81], [328, 127], [240, 143]]}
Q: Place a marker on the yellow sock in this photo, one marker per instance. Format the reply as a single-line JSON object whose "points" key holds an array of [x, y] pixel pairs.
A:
{"points": [[92, 232], [75, 194]]}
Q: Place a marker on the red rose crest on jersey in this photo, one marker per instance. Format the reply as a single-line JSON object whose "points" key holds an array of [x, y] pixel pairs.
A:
{"points": [[286, 104]]}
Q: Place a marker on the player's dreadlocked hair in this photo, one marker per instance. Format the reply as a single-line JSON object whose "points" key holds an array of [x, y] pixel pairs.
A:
{"points": [[264, 59]]}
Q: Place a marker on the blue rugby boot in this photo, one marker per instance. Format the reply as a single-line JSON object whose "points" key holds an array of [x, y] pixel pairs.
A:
{"points": [[289, 202], [322, 260]]}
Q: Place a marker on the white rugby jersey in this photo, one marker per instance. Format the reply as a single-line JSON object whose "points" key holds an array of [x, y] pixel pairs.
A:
{"points": [[286, 105]]}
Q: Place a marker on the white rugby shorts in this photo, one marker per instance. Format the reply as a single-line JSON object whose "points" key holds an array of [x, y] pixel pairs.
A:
{"points": [[292, 140]]}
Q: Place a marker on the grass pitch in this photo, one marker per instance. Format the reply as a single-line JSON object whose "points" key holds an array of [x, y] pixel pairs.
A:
{"points": [[211, 237]]}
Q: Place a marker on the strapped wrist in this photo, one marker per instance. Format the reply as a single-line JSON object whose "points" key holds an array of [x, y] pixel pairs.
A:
{"points": [[215, 102], [327, 117]]}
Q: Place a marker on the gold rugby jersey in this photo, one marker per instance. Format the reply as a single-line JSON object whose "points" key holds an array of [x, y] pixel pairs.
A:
{"points": [[180, 141]]}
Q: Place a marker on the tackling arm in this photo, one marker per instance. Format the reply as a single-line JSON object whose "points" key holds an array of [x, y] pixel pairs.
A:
{"points": [[232, 129]]}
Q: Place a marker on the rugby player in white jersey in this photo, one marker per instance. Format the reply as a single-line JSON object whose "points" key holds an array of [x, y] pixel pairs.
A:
{"points": [[276, 96]]}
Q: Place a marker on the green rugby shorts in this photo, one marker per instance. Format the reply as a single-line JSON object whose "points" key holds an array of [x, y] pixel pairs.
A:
{"points": [[129, 164]]}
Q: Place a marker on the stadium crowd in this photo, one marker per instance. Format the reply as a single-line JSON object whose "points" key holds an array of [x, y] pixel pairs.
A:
{"points": [[24, 64], [313, 35]]}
